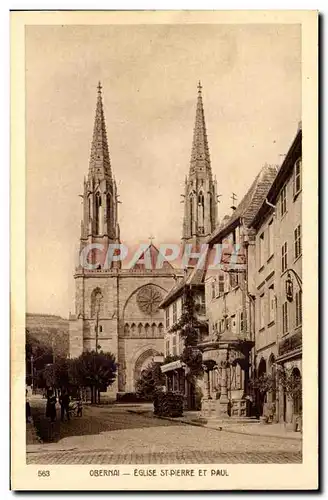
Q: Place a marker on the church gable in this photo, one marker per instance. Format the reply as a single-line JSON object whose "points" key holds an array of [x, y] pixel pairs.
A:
{"points": [[150, 259]]}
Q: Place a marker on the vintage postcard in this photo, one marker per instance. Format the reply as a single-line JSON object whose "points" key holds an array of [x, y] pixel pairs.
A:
{"points": [[164, 250]]}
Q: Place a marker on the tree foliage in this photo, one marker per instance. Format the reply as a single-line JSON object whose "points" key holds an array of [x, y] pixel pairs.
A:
{"points": [[193, 359], [49, 376], [189, 326], [36, 352], [168, 404], [150, 382], [95, 369], [169, 358], [263, 383], [291, 383]]}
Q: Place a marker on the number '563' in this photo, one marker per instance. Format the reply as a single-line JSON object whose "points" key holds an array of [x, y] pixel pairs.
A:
{"points": [[43, 473]]}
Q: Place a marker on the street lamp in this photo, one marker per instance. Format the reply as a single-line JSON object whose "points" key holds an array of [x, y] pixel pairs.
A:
{"points": [[289, 288], [289, 279]]}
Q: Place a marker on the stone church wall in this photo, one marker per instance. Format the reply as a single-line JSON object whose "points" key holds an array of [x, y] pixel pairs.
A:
{"points": [[130, 324], [141, 333]]}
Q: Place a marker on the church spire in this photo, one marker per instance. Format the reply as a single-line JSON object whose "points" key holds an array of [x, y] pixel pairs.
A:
{"points": [[200, 214], [200, 156], [100, 198], [99, 165]]}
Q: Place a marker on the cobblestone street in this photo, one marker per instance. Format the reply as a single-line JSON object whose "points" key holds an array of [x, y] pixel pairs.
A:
{"points": [[191, 457], [112, 435]]}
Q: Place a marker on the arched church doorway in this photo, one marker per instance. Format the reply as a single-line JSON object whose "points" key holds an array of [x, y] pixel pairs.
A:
{"points": [[143, 361]]}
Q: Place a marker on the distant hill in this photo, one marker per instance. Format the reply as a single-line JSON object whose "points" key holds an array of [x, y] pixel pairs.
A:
{"points": [[50, 330]]}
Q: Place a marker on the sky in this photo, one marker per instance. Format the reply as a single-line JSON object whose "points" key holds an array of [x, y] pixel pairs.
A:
{"points": [[251, 78]]}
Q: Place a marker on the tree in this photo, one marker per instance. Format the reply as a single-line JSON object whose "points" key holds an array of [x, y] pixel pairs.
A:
{"points": [[62, 372], [150, 382], [96, 370], [37, 356], [74, 374], [291, 383], [50, 376], [193, 359], [264, 383], [55, 375]]}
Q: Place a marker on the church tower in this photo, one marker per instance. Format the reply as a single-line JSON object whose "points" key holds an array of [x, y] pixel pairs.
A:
{"points": [[99, 223], [200, 212]]}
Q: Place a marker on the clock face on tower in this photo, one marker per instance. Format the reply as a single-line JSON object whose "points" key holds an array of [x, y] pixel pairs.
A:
{"points": [[148, 299]]}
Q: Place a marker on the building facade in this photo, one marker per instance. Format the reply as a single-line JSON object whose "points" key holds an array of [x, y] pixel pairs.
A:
{"points": [[227, 352], [176, 371], [278, 287]]}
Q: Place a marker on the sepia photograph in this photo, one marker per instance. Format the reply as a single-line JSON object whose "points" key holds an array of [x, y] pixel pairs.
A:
{"points": [[164, 324]]}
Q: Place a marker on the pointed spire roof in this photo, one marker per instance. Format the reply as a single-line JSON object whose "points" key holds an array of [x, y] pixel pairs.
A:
{"points": [[200, 155], [99, 157]]}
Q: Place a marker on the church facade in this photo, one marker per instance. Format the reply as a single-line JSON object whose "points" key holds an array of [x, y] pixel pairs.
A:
{"points": [[117, 309]]}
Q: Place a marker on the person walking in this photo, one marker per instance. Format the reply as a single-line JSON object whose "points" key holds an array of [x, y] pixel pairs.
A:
{"points": [[64, 405], [79, 406], [51, 405], [28, 408]]}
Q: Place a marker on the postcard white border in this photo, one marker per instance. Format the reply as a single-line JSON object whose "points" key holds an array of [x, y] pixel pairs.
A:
{"points": [[72, 477]]}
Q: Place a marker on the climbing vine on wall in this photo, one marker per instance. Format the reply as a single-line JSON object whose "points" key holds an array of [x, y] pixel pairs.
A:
{"points": [[189, 326]]}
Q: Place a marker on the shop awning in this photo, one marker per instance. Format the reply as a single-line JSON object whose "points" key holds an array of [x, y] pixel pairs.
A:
{"points": [[174, 365]]}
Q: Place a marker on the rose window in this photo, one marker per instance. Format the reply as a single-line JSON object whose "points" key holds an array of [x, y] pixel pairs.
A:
{"points": [[148, 299]]}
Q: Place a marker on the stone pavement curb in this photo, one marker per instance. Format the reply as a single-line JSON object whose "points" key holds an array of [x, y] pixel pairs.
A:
{"points": [[216, 428]]}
